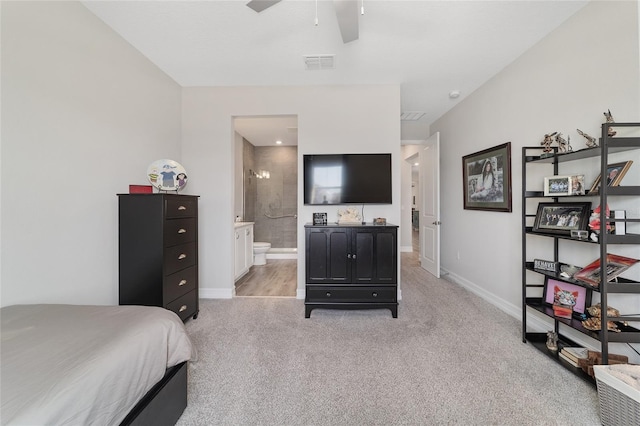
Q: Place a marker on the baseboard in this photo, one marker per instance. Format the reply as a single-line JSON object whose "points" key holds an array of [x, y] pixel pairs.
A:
{"points": [[509, 308], [406, 249], [216, 293], [282, 255], [534, 323]]}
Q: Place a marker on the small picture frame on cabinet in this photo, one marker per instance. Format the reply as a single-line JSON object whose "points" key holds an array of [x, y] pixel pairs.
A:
{"points": [[319, 218]]}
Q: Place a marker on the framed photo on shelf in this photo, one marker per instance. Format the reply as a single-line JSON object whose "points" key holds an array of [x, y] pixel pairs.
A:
{"points": [[615, 173], [486, 178], [562, 218], [591, 274], [561, 293], [559, 186]]}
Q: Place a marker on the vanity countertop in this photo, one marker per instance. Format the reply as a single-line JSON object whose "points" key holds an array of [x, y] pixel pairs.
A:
{"points": [[241, 224]]}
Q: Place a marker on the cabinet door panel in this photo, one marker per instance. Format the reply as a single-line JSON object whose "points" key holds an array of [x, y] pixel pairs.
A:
{"points": [[317, 251], [386, 259], [339, 262], [363, 260]]}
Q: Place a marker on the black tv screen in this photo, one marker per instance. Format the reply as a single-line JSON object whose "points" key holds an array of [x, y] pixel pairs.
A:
{"points": [[347, 179]]}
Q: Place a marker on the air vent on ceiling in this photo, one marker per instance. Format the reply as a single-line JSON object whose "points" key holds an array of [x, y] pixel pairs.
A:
{"points": [[412, 115], [319, 62]]}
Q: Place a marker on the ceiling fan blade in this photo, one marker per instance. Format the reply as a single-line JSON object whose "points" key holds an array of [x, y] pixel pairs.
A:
{"points": [[260, 5], [347, 14]]}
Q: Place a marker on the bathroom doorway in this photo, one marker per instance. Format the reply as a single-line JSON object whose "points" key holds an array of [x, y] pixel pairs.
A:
{"points": [[266, 151]]}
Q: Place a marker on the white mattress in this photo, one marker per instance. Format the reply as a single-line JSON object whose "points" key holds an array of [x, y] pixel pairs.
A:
{"points": [[84, 365]]}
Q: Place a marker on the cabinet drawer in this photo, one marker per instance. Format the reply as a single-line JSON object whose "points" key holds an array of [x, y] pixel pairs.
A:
{"points": [[179, 231], [175, 285], [179, 257], [181, 207], [328, 294], [185, 306]]}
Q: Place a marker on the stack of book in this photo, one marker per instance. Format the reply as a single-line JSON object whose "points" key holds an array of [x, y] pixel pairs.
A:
{"points": [[572, 354]]}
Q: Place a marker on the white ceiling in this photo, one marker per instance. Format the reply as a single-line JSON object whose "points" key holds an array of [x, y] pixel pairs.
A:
{"points": [[427, 47]]}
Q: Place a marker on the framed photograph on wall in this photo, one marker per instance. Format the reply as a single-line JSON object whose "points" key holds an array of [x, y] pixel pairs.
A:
{"points": [[562, 218], [486, 179], [615, 173]]}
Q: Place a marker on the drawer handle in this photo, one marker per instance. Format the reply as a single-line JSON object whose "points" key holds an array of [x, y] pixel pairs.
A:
{"points": [[374, 294], [182, 308], [328, 294], [182, 256], [246, 232], [182, 282], [182, 231], [182, 208]]}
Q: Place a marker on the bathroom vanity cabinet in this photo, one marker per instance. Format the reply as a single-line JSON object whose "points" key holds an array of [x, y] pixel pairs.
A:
{"points": [[158, 251], [351, 267], [243, 240]]}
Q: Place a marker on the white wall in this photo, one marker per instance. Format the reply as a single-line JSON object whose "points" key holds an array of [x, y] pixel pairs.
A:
{"points": [[83, 115], [331, 119], [588, 65]]}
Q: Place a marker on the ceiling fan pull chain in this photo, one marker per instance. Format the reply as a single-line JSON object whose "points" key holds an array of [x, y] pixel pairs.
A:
{"points": [[316, 13], [362, 8]]}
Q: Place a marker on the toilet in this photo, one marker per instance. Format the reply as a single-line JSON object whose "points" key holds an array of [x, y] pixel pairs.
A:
{"points": [[260, 250]]}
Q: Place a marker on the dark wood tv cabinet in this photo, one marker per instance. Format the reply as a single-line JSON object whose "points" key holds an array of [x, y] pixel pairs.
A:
{"points": [[351, 267]]}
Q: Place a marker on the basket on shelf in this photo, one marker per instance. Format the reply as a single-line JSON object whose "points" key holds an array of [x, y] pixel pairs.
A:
{"points": [[619, 401]]}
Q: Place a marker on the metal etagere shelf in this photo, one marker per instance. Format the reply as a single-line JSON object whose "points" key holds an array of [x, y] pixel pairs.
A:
{"points": [[532, 156]]}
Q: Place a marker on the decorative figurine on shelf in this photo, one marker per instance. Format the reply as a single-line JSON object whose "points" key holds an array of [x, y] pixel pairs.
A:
{"points": [[546, 143], [591, 141], [609, 118], [552, 341], [563, 144], [594, 219], [349, 216]]}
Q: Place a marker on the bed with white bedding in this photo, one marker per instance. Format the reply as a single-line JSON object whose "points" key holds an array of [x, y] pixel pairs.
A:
{"points": [[84, 365]]}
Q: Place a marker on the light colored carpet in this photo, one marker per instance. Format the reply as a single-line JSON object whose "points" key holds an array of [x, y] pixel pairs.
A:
{"points": [[449, 358]]}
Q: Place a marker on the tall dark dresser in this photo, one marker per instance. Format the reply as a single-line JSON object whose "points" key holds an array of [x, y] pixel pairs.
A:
{"points": [[158, 252]]}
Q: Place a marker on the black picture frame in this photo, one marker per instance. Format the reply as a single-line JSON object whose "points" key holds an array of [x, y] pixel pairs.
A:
{"points": [[583, 297], [562, 218], [497, 195]]}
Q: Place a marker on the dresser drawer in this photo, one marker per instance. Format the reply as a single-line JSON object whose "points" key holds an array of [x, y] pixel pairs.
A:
{"points": [[175, 285], [179, 257], [179, 231], [185, 306], [351, 294], [181, 206]]}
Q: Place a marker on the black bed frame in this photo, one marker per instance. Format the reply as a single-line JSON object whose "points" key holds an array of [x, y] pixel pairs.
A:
{"points": [[164, 403]]}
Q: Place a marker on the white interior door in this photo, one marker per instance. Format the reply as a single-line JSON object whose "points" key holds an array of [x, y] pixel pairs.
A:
{"points": [[429, 223]]}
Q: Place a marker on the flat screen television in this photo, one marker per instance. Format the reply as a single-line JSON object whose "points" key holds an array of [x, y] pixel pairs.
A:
{"points": [[347, 179]]}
